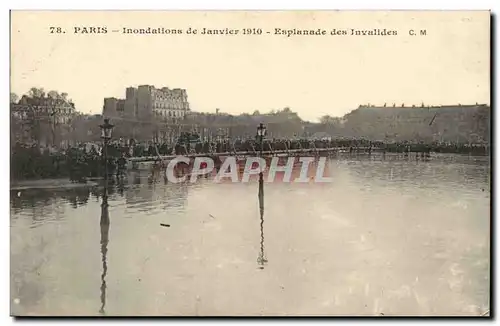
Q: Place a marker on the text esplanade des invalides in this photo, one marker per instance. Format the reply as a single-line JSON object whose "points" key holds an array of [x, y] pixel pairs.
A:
{"points": [[335, 31]]}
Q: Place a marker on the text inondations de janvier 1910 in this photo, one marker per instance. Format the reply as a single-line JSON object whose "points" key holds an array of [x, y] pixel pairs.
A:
{"points": [[235, 32]]}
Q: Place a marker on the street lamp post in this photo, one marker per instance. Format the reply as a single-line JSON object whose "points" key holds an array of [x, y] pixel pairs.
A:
{"points": [[261, 133], [106, 130]]}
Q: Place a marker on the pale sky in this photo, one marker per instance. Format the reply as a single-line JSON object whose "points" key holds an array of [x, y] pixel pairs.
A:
{"points": [[313, 75]]}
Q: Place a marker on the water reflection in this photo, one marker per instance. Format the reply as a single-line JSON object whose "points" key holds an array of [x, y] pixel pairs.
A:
{"points": [[121, 188], [262, 259], [77, 197], [140, 195], [418, 244], [105, 222], [46, 198]]}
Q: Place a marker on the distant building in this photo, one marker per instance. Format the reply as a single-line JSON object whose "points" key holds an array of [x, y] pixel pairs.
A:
{"points": [[43, 108], [43, 120], [147, 102], [456, 123]]}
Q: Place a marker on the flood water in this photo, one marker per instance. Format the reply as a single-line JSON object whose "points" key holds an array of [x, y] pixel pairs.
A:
{"points": [[388, 236]]}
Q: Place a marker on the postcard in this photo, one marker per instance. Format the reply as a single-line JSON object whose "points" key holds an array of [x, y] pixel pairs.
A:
{"points": [[250, 163]]}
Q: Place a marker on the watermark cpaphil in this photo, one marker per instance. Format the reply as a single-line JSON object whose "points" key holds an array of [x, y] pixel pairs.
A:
{"points": [[234, 169]]}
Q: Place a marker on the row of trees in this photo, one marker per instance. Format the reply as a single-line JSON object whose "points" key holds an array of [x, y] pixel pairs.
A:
{"points": [[39, 93]]}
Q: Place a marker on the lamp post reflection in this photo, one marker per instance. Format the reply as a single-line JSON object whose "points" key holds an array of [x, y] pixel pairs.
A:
{"points": [[262, 259], [104, 248], [261, 133]]}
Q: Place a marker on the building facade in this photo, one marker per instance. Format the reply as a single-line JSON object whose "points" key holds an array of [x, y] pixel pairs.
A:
{"points": [[445, 123], [45, 108], [44, 120], [113, 107], [147, 102]]}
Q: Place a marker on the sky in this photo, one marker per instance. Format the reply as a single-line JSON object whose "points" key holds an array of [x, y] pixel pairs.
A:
{"points": [[313, 75]]}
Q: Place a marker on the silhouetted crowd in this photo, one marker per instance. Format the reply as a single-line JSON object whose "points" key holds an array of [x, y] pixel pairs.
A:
{"points": [[87, 160]]}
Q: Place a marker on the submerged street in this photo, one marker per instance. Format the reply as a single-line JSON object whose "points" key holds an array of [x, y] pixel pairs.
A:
{"points": [[387, 236]]}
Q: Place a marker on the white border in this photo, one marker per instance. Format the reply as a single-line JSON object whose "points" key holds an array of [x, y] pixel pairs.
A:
{"points": [[258, 4], [186, 4]]}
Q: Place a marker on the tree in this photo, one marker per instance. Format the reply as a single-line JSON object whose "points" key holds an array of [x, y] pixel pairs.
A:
{"points": [[54, 95], [36, 92], [327, 119], [14, 98], [256, 112]]}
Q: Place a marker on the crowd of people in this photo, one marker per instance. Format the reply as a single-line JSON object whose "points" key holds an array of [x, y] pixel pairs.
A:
{"points": [[345, 145], [87, 160], [78, 163]]}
